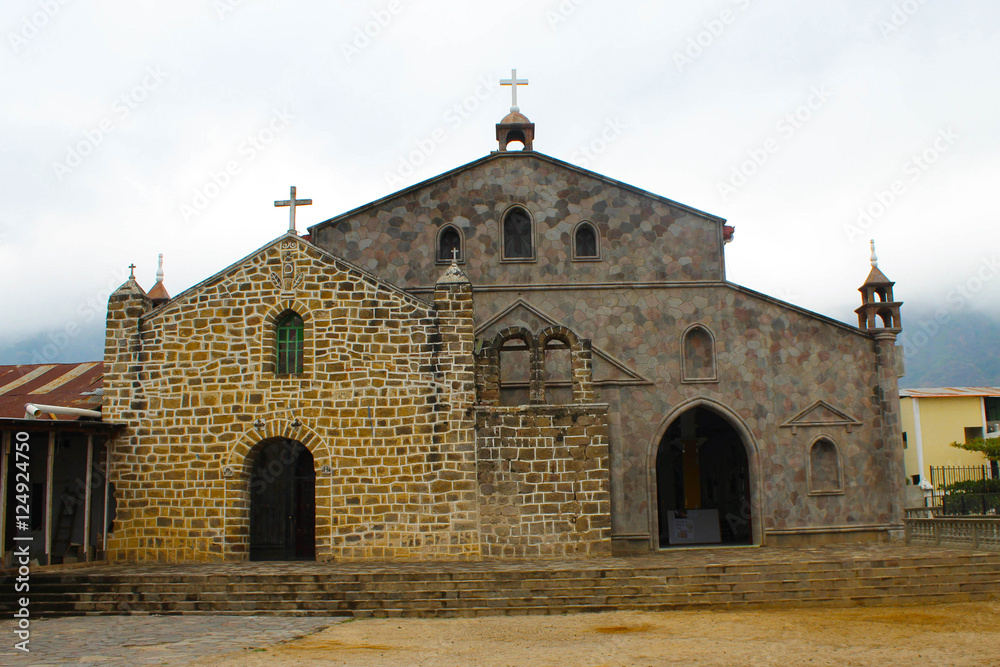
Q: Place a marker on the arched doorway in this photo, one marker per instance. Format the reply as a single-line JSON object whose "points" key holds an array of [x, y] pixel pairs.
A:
{"points": [[703, 482], [282, 502]]}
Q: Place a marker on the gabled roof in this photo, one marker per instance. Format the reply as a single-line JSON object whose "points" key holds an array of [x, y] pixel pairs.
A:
{"points": [[343, 264], [64, 385], [498, 155]]}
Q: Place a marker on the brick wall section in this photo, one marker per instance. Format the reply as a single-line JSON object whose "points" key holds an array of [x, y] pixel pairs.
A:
{"points": [[544, 480], [198, 392]]}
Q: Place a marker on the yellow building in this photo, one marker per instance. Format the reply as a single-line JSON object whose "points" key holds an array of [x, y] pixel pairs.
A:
{"points": [[934, 418]]}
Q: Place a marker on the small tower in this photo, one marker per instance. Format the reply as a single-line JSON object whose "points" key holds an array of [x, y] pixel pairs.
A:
{"points": [[158, 293], [878, 311], [515, 127]]}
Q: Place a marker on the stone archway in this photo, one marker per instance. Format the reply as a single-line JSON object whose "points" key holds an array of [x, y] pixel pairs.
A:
{"points": [[703, 479], [282, 501]]}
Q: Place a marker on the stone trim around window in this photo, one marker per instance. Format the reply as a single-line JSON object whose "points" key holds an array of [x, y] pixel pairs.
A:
{"points": [[502, 239]]}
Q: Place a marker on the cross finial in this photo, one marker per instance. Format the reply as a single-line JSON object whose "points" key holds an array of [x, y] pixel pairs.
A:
{"points": [[292, 202], [159, 269], [513, 82], [454, 256], [131, 269], [874, 256]]}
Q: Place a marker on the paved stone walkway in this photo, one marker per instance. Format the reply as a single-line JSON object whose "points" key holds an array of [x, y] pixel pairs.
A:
{"points": [[150, 640]]}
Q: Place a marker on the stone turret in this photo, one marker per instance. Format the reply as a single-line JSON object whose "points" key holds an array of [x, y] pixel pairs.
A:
{"points": [[878, 311], [122, 350], [879, 315]]}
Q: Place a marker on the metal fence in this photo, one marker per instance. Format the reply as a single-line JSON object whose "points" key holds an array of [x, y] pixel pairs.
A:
{"points": [[965, 490]]}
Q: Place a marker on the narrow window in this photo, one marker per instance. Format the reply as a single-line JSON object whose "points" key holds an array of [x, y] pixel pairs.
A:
{"points": [[517, 242], [291, 339], [585, 242], [448, 242]]}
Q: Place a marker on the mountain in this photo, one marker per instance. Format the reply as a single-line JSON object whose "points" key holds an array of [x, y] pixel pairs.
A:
{"points": [[963, 350]]}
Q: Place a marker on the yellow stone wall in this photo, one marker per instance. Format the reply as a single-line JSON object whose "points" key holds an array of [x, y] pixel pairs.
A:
{"points": [[383, 404]]}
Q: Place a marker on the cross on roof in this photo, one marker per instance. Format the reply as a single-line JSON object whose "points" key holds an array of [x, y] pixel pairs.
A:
{"points": [[513, 82], [292, 202], [454, 255], [131, 269]]}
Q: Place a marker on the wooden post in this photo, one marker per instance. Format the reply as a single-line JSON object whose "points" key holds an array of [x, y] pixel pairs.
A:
{"points": [[86, 497], [4, 449], [107, 500], [49, 468]]}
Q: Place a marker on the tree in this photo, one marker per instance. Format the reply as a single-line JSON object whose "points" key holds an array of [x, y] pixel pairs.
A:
{"points": [[989, 447]]}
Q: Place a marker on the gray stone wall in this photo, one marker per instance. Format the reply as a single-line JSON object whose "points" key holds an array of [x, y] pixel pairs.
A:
{"points": [[660, 272], [642, 238]]}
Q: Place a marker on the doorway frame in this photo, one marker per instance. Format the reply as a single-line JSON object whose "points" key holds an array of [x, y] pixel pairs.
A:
{"points": [[753, 465]]}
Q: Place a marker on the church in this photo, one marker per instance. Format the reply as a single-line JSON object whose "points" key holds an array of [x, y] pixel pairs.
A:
{"points": [[518, 358]]}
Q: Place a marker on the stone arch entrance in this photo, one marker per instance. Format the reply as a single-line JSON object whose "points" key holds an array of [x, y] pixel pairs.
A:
{"points": [[702, 486], [282, 501]]}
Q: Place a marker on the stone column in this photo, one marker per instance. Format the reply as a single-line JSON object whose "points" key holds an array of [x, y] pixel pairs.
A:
{"points": [[892, 432], [456, 378]]}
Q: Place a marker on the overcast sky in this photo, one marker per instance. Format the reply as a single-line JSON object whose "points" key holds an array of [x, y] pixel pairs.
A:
{"points": [[132, 128]]}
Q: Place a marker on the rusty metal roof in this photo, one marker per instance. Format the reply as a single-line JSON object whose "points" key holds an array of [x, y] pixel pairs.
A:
{"points": [[949, 392], [64, 385]]}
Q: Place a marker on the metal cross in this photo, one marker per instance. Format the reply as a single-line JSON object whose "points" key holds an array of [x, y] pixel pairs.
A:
{"points": [[513, 82], [292, 202], [131, 274]]}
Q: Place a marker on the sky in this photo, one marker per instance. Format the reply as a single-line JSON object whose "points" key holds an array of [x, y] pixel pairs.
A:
{"points": [[133, 128]]}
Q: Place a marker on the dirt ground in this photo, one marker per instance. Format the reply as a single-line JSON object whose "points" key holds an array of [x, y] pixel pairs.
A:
{"points": [[944, 635]]}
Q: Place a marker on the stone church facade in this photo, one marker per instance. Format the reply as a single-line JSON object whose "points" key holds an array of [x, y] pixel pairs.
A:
{"points": [[517, 358]]}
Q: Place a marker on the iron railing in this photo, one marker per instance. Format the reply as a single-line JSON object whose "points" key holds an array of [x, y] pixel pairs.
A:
{"points": [[965, 490]]}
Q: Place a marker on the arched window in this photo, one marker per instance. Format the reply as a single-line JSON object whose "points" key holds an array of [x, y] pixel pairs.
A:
{"points": [[291, 341], [585, 242], [824, 467], [518, 242], [449, 240]]}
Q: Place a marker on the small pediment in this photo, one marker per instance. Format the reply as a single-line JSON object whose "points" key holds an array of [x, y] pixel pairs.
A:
{"points": [[607, 369], [821, 413]]}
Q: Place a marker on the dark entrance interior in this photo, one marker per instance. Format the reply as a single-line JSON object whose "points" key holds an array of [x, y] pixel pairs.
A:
{"points": [[703, 482], [283, 502]]}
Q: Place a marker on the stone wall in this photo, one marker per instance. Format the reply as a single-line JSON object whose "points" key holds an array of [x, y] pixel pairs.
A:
{"points": [[543, 480], [383, 404], [642, 237]]}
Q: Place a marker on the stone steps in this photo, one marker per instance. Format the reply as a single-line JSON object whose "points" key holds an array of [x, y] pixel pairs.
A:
{"points": [[450, 589]]}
